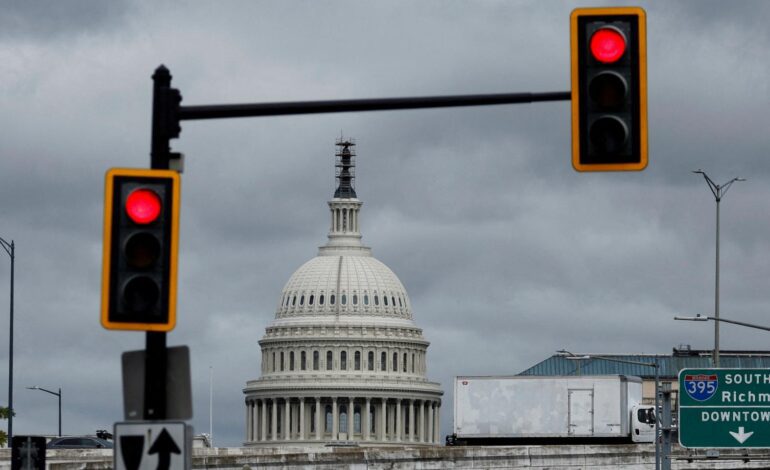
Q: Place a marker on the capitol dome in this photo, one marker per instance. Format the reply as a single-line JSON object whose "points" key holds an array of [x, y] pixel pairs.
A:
{"points": [[359, 286], [343, 360]]}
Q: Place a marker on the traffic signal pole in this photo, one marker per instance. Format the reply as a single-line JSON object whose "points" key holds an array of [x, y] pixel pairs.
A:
{"points": [[155, 342]]}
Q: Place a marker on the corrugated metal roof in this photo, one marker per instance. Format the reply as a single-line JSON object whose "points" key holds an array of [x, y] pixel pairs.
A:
{"points": [[670, 365]]}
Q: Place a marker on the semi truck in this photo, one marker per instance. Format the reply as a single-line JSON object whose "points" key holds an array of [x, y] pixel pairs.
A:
{"points": [[491, 410]]}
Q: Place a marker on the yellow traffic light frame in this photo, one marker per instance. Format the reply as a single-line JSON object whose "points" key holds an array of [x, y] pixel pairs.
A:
{"points": [[642, 38], [109, 187]]}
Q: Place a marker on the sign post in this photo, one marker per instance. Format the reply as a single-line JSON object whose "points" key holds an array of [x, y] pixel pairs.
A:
{"points": [[724, 408]]}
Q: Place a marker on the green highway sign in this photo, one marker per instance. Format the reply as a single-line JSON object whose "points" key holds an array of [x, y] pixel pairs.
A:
{"points": [[724, 408]]}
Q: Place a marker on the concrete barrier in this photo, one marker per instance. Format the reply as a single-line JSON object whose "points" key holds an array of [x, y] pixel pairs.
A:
{"points": [[600, 457]]}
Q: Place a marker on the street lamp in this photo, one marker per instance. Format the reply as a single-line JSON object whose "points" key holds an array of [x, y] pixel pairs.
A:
{"points": [[655, 365], [719, 191], [700, 317], [10, 248], [52, 393]]}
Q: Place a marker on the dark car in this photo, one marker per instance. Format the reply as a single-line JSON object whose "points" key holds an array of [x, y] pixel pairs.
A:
{"points": [[79, 442]]}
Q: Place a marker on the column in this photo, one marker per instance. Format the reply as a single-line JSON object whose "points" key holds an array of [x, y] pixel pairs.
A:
{"points": [[287, 419], [397, 427], [318, 418], [422, 421], [274, 420], [263, 437], [430, 422], [411, 421], [365, 420], [335, 420], [351, 418], [248, 420], [302, 418], [383, 416], [436, 423]]}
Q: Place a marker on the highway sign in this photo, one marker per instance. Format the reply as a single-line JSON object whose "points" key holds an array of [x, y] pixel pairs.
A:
{"points": [[152, 445], [724, 408]]}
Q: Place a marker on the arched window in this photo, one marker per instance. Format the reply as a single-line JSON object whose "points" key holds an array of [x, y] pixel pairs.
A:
{"points": [[312, 420], [413, 363], [321, 300], [399, 302], [356, 419], [315, 360], [383, 362], [376, 300], [392, 301], [357, 360], [328, 423], [355, 299], [395, 362], [343, 360], [294, 300], [370, 360], [310, 300], [366, 299], [385, 300], [344, 299], [303, 360], [273, 369], [404, 362], [291, 360], [344, 418], [281, 361], [302, 300], [329, 361], [331, 300], [372, 424]]}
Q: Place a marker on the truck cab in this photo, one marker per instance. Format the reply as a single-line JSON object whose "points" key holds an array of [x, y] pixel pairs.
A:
{"points": [[643, 423]]}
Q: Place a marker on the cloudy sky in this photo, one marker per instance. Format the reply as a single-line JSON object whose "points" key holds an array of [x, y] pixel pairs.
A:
{"points": [[506, 252]]}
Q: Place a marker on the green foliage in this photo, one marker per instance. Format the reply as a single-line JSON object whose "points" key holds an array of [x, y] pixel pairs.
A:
{"points": [[4, 414]]}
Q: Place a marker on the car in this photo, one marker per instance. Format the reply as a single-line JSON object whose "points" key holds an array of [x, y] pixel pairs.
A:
{"points": [[79, 442]]}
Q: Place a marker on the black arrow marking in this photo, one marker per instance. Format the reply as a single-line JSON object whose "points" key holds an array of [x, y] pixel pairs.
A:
{"points": [[164, 446]]}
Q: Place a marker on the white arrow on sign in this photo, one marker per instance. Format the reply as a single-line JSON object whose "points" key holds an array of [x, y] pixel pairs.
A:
{"points": [[741, 436]]}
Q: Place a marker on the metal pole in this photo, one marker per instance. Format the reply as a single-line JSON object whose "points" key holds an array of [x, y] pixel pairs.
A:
{"points": [[10, 352], [657, 417], [59, 411], [10, 248], [716, 289]]}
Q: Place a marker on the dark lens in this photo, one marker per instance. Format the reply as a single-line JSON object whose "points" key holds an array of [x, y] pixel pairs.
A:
{"points": [[608, 90], [608, 135], [142, 250], [141, 294]]}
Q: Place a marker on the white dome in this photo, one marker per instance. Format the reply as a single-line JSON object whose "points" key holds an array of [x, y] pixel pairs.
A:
{"points": [[344, 285]]}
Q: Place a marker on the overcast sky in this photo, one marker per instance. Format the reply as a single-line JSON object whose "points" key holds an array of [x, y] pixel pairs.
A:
{"points": [[506, 252]]}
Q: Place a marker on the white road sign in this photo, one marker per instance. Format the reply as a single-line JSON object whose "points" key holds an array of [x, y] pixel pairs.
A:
{"points": [[152, 445]]}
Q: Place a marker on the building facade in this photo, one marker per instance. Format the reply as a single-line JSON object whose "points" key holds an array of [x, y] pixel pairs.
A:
{"points": [[343, 361]]}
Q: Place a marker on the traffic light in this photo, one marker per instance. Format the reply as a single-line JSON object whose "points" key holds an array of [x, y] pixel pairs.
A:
{"points": [[609, 89], [139, 270]]}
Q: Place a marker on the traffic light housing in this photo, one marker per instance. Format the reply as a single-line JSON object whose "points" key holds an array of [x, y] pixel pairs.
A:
{"points": [[609, 89], [139, 269]]}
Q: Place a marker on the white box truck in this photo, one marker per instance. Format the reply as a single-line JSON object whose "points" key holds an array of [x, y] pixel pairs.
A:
{"points": [[514, 409]]}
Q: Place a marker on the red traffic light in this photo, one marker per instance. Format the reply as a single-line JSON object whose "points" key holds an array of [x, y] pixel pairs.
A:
{"points": [[143, 206], [608, 45]]}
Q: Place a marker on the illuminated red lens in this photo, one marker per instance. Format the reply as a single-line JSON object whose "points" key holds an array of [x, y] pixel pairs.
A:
{"points": [[608, 45], [143, 206]]}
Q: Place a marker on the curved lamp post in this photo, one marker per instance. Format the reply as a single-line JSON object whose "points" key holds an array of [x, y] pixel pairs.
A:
{"points": [[10, 248], [719, 191], [52, 393]]}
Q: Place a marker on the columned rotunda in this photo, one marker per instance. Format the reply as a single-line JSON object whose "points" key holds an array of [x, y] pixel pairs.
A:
{"points": [[343, 361]]}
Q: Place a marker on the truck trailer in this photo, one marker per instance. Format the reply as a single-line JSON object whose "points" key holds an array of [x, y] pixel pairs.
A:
{"points": [[564, 409]]}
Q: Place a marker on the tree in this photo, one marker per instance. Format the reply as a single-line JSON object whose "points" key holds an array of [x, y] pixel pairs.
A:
{"points": [[4, 414]]}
